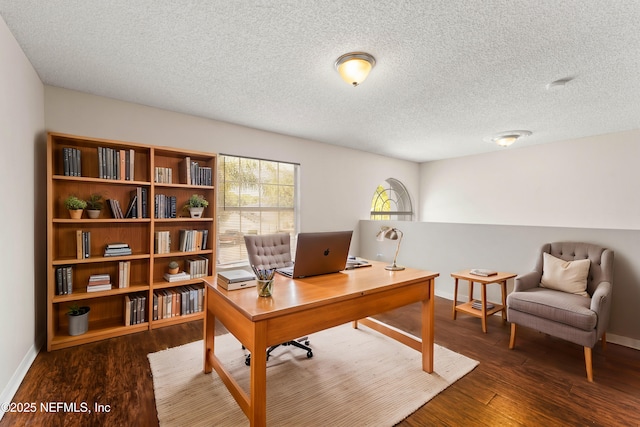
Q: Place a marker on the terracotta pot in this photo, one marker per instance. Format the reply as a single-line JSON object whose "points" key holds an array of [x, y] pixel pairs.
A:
{"points": [[75, 213], [174, 270]]}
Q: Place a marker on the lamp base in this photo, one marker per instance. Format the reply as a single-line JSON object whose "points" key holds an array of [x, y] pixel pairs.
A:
{"points": [[394, 268]]}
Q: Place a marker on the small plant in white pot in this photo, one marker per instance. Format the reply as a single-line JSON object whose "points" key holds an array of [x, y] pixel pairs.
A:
{"points": [[75, 206], [196, 205], [94, 205], [78, 319]]}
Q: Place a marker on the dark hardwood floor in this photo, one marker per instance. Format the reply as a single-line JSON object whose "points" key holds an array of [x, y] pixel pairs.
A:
{"points": [[541, 382]]}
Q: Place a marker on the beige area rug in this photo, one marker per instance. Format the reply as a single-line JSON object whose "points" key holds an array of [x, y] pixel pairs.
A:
{"points": [[356, 377]]}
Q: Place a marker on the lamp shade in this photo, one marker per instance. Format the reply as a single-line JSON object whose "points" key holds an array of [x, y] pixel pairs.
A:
{"points": [[355, 67]]}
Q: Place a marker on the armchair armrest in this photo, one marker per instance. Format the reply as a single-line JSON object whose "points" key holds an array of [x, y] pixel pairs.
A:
{"points": [[601, 305], [527, 281]]}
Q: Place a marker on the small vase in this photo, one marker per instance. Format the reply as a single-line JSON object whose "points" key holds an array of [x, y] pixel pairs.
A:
{"points": [[93, 213], [196, 212], [75, 213], [174, 270]]}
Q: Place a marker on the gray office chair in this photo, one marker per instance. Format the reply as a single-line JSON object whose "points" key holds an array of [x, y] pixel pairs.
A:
{"points": [[542, 299], [273, 251]]}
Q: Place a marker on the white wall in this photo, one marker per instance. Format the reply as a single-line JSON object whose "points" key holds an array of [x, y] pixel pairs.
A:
{"points": [[22, 192], [337, 184], [589, 182]]}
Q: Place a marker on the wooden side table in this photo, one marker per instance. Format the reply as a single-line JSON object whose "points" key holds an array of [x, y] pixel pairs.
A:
{"points": [[499, 278]]}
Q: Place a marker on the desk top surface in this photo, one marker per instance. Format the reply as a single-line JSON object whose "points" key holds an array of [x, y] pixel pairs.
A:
{"points": [[291, 294]]}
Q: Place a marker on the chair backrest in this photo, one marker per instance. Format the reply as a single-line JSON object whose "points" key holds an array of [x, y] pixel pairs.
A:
{"points": [[601, 269], [269, 250]]}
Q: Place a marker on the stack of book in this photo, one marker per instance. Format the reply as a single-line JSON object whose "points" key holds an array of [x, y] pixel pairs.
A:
{"points": [[83, 244], [116, 164], [72, 161], [193, 240], [64, 280], [165, 206], [194, 174], [236, 279], [176, 277], [197, 267], [178, 301], [99, 282], [164, 175], [478, 305], [116, 210], [138, 204], [124, 274], [117, 249], [135, 309]]}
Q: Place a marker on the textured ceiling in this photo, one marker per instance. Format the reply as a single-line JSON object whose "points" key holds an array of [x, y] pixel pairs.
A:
{"points": [[448, 73]]}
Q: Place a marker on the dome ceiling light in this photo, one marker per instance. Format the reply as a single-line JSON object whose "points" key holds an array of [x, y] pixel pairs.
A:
{"points": [[354, 67], [505, 139]]}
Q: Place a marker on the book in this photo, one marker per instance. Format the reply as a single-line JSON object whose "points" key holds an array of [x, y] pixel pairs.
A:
{"points": [[176, 277], [478, 305], [117, 245], [234, 276], [482, 272], [236, 285], [97, 288]]}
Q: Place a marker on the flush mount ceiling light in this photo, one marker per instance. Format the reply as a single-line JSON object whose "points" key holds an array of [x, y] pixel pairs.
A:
{"points": [[505, 139], [354, 67]]}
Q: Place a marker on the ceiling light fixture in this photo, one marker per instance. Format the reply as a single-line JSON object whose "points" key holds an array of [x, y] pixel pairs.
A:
{"points": [[354, 67], [505, 139]]}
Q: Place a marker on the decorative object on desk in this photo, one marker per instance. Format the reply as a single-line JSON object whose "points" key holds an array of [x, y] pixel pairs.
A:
{"points": [[196, 205], [173, 267], [391, 233], [265, 281], [78, 319], [94, 205], [380, 370], [75, 206]]}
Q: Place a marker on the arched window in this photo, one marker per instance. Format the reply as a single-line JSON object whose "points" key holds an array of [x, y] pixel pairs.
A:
{"points": [[391, 201]]}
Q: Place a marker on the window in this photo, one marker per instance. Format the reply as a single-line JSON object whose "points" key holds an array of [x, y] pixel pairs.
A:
{"points": [[391, 202], [254, 197]]}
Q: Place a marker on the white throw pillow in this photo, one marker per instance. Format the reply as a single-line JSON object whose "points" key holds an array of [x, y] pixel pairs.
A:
{"points": [[566, 276]]}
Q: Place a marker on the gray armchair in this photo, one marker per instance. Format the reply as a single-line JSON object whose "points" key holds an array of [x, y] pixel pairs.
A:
{"points": [[582, 320], [269, 251]]}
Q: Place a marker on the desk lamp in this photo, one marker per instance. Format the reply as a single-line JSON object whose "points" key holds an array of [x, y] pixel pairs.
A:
{"points": [[391, 234]]}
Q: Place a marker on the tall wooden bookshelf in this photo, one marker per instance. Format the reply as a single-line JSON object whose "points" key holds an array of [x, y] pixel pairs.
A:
{"points": [[146, 267]]}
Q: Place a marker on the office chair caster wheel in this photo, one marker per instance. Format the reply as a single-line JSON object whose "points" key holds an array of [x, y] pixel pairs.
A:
{"points": [[309, 354], [247, 361], [306, 342]]}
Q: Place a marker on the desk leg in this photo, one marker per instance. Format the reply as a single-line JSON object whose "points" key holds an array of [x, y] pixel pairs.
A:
{"points": [[427, 329], [209, 334], [470, 290], [258, 393], [455, 298], [484, 307]]}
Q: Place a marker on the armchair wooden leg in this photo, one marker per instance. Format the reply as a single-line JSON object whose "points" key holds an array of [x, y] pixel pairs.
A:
{"points": [[512, 340], [604, 341], [588, 364]]}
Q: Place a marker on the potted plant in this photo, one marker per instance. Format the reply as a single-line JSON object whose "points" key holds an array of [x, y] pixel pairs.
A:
{"points": [[196, 205], [94, 205], [75, 206], [78, 319], [173, 267]]}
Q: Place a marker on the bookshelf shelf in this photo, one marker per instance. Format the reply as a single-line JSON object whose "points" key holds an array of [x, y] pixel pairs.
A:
{"points": [[122, 172]]}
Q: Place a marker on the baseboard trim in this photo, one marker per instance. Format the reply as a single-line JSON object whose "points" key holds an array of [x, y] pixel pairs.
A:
{"points": [[16, 379], [612, 338]]}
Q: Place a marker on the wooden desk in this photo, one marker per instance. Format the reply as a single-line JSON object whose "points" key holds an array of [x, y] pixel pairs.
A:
{"points": [[500, 278], [304, 306]]}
